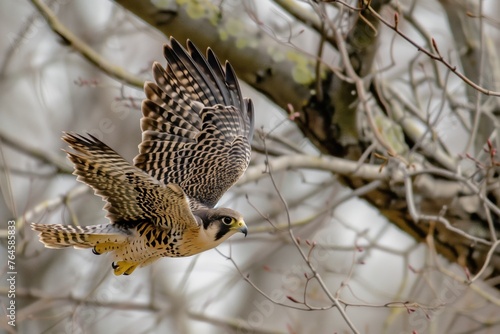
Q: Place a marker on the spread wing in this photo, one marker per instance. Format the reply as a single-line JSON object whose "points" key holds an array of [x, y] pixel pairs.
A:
{"points": [[197, 127], [131, 195]]}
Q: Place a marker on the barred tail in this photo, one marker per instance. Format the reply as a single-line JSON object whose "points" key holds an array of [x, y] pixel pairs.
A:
{"points": [[102, 238]]}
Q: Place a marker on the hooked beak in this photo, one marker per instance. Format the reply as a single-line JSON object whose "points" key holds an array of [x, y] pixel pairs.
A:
{"points": [[243, 230], [240, 226]]}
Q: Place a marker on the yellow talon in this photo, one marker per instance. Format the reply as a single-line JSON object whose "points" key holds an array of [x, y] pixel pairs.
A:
{"points": [[104, 248], [124, 267], [130, 270]]}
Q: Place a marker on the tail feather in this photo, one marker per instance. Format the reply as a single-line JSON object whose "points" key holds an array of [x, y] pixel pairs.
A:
{"points": [[102, 238]]}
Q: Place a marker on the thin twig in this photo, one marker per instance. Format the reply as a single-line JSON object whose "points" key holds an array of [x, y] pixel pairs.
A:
{"points": [[84, 49], [43, 156], [234, 323], [318, 277], [433, 56]]}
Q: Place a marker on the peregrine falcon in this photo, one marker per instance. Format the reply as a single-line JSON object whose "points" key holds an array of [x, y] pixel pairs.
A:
{"points": [[196, 135]]}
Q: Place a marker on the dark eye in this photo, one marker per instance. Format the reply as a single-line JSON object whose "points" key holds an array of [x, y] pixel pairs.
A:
{"points": [[227, 220]]}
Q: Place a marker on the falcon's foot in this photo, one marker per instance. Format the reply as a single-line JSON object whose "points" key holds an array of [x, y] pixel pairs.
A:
{"points": [[105, 247], [124, 267]]}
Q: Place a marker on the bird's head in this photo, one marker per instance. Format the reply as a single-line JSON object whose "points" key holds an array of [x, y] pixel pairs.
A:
{"points": [[216, 225]]}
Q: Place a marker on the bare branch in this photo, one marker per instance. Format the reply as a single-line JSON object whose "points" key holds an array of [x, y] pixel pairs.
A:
{"points": [[84, 49]]}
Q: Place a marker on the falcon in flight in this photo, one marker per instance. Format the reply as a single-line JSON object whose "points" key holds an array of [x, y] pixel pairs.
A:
{"points": [[196, 135]]}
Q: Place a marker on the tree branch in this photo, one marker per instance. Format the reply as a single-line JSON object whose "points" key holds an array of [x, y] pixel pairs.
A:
{"points": [[84, 49]]}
